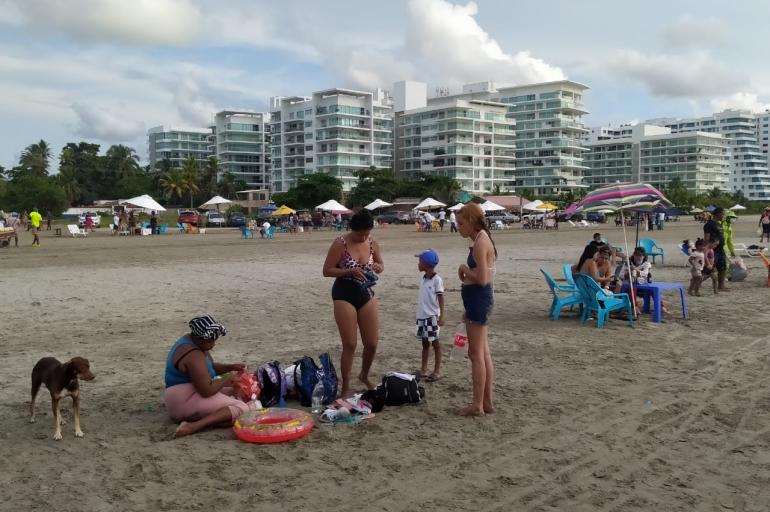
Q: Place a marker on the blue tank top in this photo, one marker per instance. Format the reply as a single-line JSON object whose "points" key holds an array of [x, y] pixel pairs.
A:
{"points": [[173, 375]]}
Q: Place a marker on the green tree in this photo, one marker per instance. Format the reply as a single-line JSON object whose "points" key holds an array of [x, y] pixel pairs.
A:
{"points": [[28, 191], [311, 190], [89, 172], [173, 184], [122, 162], [228, 185], [35, 159], [191, 178], [372, 184], [677, 193], [67, 176], [209, 184]]}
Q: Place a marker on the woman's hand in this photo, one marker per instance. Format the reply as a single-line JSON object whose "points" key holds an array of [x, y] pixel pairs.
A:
{"points": [[236, 367], [462, 271], [357, 274], [378, 267]]}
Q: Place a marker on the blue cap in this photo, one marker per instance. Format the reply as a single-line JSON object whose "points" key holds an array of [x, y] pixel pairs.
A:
{"points": [[429, 257]]}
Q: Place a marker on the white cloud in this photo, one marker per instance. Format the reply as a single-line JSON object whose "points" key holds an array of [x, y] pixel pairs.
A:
{"points": [[695, 74], [740, 100], [94, 122], [688, 31], [173, 22]]}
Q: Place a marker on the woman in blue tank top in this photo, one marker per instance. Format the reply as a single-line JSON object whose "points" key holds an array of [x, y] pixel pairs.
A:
{"points": [[477, 276]]}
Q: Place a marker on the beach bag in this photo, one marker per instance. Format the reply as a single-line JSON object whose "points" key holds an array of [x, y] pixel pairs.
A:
{"points": [[738, 270], [306, 373], [271, 383], [401, 388], [376, 397]]}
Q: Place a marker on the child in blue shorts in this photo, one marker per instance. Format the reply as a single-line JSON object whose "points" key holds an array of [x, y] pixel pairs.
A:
{"points": [[430, 311]]}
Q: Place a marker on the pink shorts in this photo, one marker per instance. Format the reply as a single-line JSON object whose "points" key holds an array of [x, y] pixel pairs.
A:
{"points": [[185, 403]]}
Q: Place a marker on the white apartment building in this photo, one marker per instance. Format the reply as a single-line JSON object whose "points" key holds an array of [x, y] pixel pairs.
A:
{"points": [[241, 142], [177, 145], [748, 165], [652, 154], [336, 131], [763, 132], [549, 132], [471, 141]]}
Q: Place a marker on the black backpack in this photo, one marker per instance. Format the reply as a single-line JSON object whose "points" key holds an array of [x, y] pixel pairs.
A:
{"points": [[401, 388], [271, 383]]}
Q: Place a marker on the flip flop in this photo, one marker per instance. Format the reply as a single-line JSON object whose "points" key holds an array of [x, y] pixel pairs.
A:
{"points": [[433, 377]]}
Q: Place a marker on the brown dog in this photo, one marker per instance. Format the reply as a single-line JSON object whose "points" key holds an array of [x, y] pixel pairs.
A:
{"points": [[61, 380]]}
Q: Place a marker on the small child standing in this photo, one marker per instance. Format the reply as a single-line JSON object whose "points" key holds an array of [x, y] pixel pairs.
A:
{"points": [[430, 311], [709, 266], [696, 261]]}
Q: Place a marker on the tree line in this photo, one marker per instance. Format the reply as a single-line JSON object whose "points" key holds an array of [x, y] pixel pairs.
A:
{"points": [[85, 176]]}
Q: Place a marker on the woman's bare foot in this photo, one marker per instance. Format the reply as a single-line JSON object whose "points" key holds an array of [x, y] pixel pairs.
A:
{"points": [[489, 408], [471, 411], [183, 430], [365, 381]]}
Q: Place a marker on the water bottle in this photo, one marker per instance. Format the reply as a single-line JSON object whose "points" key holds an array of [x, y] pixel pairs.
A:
{"points": [[460, 340], [317, 399]]}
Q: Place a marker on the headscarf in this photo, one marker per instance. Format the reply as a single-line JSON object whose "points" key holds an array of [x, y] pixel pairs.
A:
{"points": [[206, 327]]}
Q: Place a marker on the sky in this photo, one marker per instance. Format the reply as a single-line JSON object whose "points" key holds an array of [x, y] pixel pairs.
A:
{"points": [[105, 71]]}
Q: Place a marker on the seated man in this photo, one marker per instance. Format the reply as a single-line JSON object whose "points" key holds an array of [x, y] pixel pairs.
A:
{"points": [[263, 229]]}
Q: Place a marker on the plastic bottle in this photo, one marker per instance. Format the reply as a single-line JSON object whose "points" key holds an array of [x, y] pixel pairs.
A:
{"points": [[317, 399], [460, 340]]}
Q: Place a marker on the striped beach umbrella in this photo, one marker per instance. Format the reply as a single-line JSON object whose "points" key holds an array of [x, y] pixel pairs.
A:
{"points": [[622, 196]]}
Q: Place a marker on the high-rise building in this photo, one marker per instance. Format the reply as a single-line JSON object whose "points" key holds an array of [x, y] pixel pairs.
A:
{"points": [[176, 145], [748, 165], [549, 131], [652, 154], [241, 144], [336, 131], [763, 132], [470, 141]]}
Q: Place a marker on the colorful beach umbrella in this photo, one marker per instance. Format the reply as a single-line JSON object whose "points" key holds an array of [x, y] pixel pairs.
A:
{"points": [[547, 206]]}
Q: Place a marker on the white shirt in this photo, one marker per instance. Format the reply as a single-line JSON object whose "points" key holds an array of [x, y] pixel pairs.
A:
{"points": [[116, 220], [452, 217], [266, 225], [441, 215], [427, 297]]}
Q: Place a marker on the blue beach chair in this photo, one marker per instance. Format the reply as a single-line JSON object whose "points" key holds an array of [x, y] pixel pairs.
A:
{"points": [[269, 232], [567, 270], [596, 300], [246, 232], [652, 249], [563, 296]]}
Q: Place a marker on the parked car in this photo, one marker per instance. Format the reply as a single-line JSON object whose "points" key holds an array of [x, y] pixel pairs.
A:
{"points": [[94, 216], [188, 217], [505, 217], [394, 217], [215, 218], [596, 217], [236, 220]]}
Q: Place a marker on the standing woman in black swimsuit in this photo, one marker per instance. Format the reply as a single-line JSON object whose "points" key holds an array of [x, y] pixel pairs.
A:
{"points": [[477, 275], [352, 260]]}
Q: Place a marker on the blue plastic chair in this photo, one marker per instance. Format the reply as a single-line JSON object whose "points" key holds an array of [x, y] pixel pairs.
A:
{"points": [[596, 300], [269, 232], [560, 300], [180, 226], [652, 249], [162, 229], [246, 232], [567, 270]]}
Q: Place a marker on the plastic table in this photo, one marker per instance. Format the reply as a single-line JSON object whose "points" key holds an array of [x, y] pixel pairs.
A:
{"points": [[653, 291]]}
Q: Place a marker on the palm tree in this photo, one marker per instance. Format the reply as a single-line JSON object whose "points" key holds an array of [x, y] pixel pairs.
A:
{"points": [[67, 177], [173, 184], [210, 177], [123, 161], [227, 185], [34, 159], [190, 177]]}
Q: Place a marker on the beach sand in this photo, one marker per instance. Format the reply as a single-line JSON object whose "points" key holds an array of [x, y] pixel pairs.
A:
{"points": [[671, 416]]}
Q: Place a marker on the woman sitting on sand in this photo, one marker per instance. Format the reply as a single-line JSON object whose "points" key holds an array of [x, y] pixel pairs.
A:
{"points": [[477, 275], [351, 260], [194, 396]]}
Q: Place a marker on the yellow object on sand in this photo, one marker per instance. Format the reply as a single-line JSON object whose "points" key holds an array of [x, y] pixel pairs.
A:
{"points": [[283, 210]]}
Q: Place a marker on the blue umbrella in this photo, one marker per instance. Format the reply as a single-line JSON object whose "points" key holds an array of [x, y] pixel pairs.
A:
{"points": [[710, 208]]}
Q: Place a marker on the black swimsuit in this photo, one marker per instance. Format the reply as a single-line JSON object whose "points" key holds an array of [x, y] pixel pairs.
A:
{"points": [[349, 289]]}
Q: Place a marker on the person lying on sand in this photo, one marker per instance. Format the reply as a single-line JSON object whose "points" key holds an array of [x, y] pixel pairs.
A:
{"points": [[194, 395]]}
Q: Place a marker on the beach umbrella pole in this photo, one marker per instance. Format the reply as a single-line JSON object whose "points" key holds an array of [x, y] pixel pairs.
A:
{"points": [[628, 262]]}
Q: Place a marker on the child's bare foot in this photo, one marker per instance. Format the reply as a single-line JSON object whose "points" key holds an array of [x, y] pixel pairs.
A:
{"points": [[471, 410], [365, 381], [183, 430]]}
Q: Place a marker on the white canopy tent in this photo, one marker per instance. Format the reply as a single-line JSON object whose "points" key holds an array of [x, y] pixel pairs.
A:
{"points": [[489, 206], [429, 203], [144, 201], [215, 201], [333, 206], [377, 203], [737, 207], [456, 207], [533, 205]]}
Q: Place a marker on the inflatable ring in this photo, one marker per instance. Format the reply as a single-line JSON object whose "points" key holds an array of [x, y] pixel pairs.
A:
{"points": [[273, 425]]}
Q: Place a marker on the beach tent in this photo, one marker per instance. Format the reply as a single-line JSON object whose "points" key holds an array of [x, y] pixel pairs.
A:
{"points": [[737, 207], [547, 206], [215, 201], [146, 202], [284, 210], [533, 205], [429, 203], [377, 203], [489, 206], [333, 206], [456, 207]]}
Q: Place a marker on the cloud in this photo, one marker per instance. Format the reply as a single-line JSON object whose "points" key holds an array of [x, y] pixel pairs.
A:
{"points": [[688, 31], [741, 101], [138, 22], [98, 123], [694, 74], [192, 105]]}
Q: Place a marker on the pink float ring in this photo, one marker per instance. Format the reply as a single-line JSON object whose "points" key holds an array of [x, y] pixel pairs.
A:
{"points": [[273, 425]]}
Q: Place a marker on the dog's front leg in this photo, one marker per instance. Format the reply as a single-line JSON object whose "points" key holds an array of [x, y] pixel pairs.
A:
{"points": [[56, 417], [76, 413]]}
